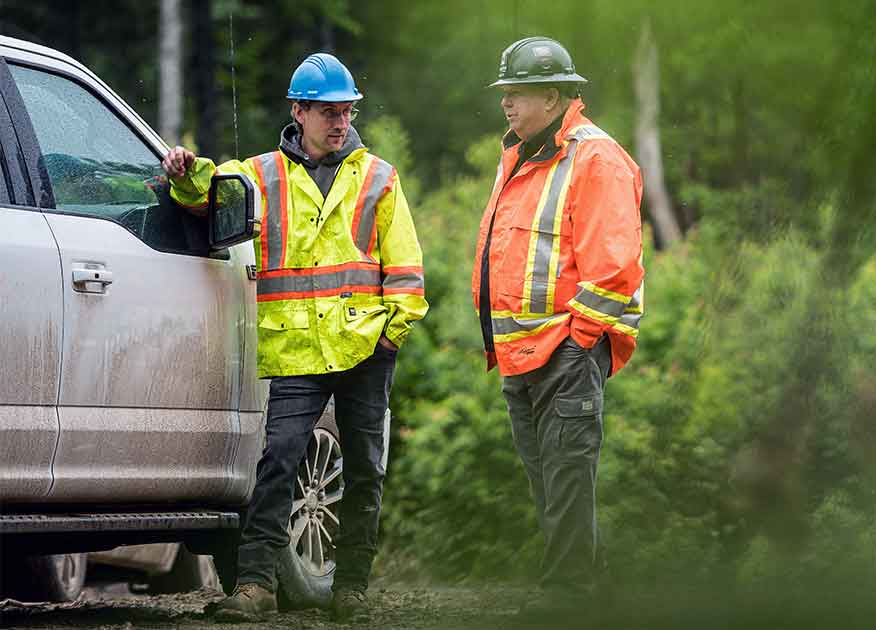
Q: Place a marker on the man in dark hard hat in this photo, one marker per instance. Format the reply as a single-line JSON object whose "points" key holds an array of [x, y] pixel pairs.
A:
{"points": [[558, 284]]}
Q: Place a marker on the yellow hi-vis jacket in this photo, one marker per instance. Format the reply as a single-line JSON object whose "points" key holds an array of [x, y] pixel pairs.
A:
{"points": [[333, 274]]}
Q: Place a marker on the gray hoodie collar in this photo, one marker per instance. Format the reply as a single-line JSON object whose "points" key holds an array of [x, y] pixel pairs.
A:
{"points": [[290, 144]]}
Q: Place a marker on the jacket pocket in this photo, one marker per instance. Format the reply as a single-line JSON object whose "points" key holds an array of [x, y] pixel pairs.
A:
{"points": [[285, 319], [354, 312]]}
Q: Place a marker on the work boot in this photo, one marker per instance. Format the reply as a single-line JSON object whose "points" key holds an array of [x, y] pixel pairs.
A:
{"points": [[249, 602], [349, 604]]}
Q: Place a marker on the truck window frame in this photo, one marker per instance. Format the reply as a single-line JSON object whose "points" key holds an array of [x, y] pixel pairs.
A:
{"points": [[38, 176]]}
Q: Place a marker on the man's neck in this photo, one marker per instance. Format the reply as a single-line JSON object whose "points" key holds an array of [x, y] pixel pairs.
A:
{"points": [[312, 153]]}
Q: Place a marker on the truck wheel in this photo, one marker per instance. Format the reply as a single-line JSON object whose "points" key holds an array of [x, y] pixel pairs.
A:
{"points": [[57, 578], [305, 569]]}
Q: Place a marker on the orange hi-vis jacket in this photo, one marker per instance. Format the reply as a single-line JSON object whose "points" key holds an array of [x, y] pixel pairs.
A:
{"points": [[565, 255]]}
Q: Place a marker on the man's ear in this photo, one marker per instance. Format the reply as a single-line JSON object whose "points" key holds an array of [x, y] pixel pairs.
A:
{"points": [[551, 98], [297, 113]]}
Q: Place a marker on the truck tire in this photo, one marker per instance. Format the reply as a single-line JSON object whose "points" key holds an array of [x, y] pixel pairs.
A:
{"points": [[56, 578], [305, 569]]}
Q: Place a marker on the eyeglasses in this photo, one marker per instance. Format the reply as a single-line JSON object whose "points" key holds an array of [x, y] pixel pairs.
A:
{"points": [[331, 114]]}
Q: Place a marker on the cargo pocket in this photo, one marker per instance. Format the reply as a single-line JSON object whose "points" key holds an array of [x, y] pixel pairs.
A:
{"points": [[285, 319], [284, 333], [580, 420]]}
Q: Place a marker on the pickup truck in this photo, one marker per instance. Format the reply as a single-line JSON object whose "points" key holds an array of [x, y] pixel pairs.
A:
{"points": [[130, 410]]}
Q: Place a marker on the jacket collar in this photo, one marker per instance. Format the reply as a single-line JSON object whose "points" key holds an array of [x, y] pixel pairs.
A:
{"points": [[290, 145]]}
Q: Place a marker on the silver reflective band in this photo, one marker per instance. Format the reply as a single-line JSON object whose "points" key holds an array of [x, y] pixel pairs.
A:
{"points": [[403, 280], [633, 313], [508, 325], [588, 132], [631, 320], [600, 303], [273, 229], [379, 180], [544, 245], [318, 282]]}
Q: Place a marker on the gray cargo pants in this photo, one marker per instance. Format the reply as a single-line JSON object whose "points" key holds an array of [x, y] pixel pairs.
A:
{"points": [[556, 421]]}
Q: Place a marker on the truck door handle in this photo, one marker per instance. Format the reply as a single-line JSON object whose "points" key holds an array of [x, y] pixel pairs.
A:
{"points": [[88, 280]]}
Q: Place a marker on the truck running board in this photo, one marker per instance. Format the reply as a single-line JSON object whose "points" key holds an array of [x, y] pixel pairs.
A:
{"points": [[116, 522]]}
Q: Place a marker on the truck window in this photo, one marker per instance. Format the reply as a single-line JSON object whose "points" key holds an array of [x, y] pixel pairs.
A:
{"points": [[99, 167]]}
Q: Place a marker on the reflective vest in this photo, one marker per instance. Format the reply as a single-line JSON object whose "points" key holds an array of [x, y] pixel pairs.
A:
{"points": [[333, 274], [565, 253]]}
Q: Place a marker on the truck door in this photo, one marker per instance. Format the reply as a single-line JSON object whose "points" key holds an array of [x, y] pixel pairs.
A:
{"points": [[150, 375], [30, 324]]}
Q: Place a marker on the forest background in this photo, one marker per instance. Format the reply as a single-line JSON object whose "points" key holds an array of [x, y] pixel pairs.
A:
{"points": [[739, 441]]}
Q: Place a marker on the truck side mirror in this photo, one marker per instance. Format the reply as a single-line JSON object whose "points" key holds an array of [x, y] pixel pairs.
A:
{"points": [[233, 211]]}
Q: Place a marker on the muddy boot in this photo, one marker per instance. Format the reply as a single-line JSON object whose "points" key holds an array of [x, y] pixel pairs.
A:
{"points": [[249, 602], [349, 605]]}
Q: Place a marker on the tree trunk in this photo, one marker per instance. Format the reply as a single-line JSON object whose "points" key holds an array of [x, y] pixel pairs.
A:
{"points": [[204, 75], [647, 87], [170, 71]]}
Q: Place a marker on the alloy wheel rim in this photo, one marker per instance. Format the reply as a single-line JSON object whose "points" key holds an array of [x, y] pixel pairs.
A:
{"points": [[315, 519]]}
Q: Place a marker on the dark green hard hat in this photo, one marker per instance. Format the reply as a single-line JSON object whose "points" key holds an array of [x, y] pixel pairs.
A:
{"points": [[537, 60]]}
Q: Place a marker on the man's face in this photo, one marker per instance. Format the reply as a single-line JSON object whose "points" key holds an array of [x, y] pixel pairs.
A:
{"points": [[527, 109], [325, 125]]}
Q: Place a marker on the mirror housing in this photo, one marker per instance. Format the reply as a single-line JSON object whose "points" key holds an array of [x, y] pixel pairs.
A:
{"points": [[233, 211]]}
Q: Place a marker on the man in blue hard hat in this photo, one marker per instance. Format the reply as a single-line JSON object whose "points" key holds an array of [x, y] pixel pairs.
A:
{"points": [[340, 282]]}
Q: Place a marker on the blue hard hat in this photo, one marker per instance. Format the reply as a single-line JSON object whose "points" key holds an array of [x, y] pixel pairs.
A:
{"points": [[321, 77]]}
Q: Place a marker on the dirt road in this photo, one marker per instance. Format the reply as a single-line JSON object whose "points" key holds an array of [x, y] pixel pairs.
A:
{"points": [[392, 609]]}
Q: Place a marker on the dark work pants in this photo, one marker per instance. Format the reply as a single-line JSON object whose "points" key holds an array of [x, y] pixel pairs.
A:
{"points": [[556, 421], [294, 407]]}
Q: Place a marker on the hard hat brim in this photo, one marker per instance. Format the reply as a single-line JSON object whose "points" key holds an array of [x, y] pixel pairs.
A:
{"points": [[553, 78], [330, 97]]}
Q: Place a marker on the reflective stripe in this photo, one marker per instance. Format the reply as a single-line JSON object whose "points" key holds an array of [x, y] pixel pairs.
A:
{"points": [[627, 330], [311, 282], [544, 245], [588, 132], [274, 223], [508, 325], [626, 321], [629, 321], [601, 300], [403, 280], [263, 234], [364, 226], [636, 304], [516, 328], [611, 320]]}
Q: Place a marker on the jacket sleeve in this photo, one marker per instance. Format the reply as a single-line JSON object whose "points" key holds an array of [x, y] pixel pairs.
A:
{"points": [[401, 263], [607, 244], [191, 190]]}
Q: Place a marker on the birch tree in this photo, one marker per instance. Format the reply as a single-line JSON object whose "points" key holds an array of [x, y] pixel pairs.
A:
{"points": [[170, 60]]}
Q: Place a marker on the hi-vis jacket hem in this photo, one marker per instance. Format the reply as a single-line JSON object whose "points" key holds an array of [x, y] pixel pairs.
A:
{"points": [[566, 248], [333, 273]]}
